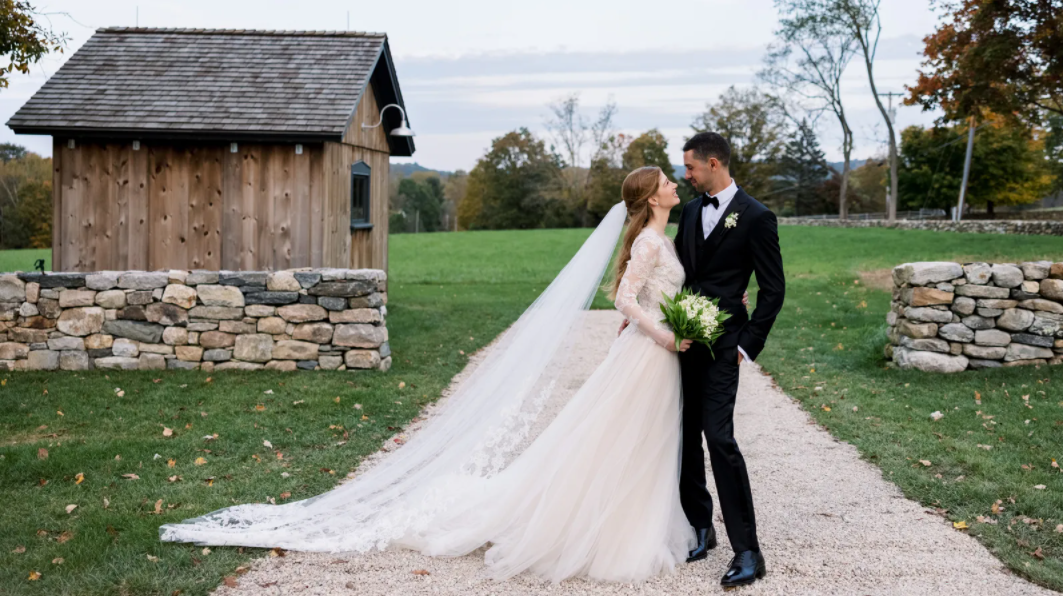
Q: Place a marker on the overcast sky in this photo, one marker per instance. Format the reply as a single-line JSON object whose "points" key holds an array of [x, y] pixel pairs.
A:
{"points": [[471, 70]]}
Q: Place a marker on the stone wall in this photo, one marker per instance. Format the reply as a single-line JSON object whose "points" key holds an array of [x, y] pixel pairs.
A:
{"points": [[1027, 227], [948, 317], [208, 320]]}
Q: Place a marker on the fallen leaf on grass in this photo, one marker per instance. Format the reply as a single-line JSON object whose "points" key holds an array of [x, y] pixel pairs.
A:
{"points": [[230, 582], [210, 481], [1038, 554], [268, 392], [1040, 486], [297, 402], [260, 408], [57, 561], [421, 572], [1059, 529], [996, 508], [960, 525], [925, 462], [336, 399], [131, 476], [34, 576], [171, 463], [205, 551], [200, 461], [935, 416], [42, 453], [327, 471], [106, 502], [277, 552], [158, 507], [153, 559], [267, 444], [174, 478], [284, 495], [167, 432], [21, 549], [64, 537], [79, 478], [70, 508]]}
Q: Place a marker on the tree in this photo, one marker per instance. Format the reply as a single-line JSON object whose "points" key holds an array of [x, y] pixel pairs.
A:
{"points": [[514, 185], [754, 125], [808, 61], [23, 41], [15, 173], [1001, 56], [1008, 165], [861, 19], [869, 183], [421, 200], [571, 132], [1054, 149], [804, 170], [606, 177], [454, 191]]}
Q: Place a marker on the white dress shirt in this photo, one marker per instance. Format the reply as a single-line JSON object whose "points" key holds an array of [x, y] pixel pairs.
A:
{"points": [[710, 216]]}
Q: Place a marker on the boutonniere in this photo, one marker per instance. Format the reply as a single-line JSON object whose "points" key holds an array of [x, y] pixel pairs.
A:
{"points": [[731, 221]]}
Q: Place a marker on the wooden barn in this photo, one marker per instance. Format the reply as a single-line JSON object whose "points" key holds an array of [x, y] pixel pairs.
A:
{"points": [[218, 149]]}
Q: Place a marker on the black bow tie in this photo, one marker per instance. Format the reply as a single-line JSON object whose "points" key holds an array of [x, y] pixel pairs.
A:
{"points": [[708, 199]]}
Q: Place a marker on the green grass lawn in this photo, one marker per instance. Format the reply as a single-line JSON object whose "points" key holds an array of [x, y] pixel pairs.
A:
{"points": [[24, 259], [450, 294]]}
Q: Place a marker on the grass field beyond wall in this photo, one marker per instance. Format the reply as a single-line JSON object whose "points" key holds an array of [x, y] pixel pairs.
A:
{"points": [[449, 295]]}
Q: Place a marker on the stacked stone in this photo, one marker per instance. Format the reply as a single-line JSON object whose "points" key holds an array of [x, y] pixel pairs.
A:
{"points": [[947, 317], [993, 226], [310, 319]]}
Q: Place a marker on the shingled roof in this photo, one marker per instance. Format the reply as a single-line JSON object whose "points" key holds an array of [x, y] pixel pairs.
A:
{"points": [[211, 83]]}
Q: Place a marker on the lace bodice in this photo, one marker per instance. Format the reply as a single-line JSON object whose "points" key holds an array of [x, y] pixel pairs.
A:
{"points": [[653, 271]]}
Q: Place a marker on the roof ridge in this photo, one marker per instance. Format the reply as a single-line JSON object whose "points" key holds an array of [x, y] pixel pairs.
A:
{"points": [[264, 32]]}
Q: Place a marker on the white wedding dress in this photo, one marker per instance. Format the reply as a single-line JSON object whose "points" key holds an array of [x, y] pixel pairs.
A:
{"points": [[595, 494]]}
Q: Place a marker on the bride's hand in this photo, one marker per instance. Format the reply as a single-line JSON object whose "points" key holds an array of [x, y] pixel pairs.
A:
{"points": [[745, 300], [684, 345]]}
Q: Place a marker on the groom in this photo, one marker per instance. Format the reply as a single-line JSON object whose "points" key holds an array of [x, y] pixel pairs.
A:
{"points": [[724, 237]]}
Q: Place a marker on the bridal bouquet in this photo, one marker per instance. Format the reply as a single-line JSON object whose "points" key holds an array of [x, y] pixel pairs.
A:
{"points": [[694, 317]]}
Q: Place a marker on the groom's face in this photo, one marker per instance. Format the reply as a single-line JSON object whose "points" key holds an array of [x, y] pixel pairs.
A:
{"points": [[700, 174]]}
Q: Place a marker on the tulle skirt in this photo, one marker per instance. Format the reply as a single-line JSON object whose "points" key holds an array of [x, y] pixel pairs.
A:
{"points": [[595, 495]]}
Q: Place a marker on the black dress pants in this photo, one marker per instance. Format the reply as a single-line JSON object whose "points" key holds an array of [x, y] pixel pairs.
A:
{"points": [[710, 385]]}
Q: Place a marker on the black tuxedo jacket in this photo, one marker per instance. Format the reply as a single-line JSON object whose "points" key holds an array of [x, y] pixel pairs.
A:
{"points": [[721, 265]]}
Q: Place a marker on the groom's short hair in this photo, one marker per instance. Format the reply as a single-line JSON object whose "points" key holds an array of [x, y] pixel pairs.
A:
{"points": [[709, 144]]}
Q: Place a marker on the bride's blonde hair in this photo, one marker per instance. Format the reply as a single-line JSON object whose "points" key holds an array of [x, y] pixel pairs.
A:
{"points": [[639, 186]]}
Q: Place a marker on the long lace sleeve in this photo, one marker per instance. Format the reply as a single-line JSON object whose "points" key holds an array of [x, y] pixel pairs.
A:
{"points": [[644, 254]]}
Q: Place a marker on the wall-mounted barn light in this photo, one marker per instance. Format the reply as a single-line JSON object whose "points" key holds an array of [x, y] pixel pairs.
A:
{"points": [[136, 145], [404, 127], [298, 149], [233, 147]]}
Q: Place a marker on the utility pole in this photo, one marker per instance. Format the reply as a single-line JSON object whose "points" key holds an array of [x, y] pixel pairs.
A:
{"points": [[966, 169], [891, 201]]}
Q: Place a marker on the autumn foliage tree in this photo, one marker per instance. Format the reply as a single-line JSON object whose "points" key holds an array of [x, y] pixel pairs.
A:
{"points": [[23, 40], [1002, 56]]}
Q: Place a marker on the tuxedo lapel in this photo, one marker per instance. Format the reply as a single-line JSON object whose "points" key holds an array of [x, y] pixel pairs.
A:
{"points": [[737, 205], [690, 239]]}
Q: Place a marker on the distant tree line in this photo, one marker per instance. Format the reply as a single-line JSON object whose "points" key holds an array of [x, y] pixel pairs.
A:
{"points": [[25, 198]]}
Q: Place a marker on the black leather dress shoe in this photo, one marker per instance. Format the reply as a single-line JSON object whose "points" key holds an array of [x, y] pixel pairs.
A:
{"points": [[746, 568], [706, 542]]}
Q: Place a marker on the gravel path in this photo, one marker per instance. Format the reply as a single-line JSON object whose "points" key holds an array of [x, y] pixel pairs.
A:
{"points": [[828, 524]]}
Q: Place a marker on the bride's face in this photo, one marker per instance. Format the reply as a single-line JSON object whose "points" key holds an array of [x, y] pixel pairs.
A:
{"points": [[666, 196]]}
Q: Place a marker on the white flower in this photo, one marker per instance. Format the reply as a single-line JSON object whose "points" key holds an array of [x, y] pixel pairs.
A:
{"points": [[731, 221]]}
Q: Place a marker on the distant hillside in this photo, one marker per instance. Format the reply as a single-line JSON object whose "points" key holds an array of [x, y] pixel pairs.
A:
{"points": [[853, 164], [405, 169]]}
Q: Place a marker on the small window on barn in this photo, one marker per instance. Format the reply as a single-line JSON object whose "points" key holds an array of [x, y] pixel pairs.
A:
{"points": [[360, 196]]}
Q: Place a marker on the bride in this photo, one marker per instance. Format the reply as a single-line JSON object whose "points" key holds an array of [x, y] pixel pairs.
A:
{"points": [[595, 494]]}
